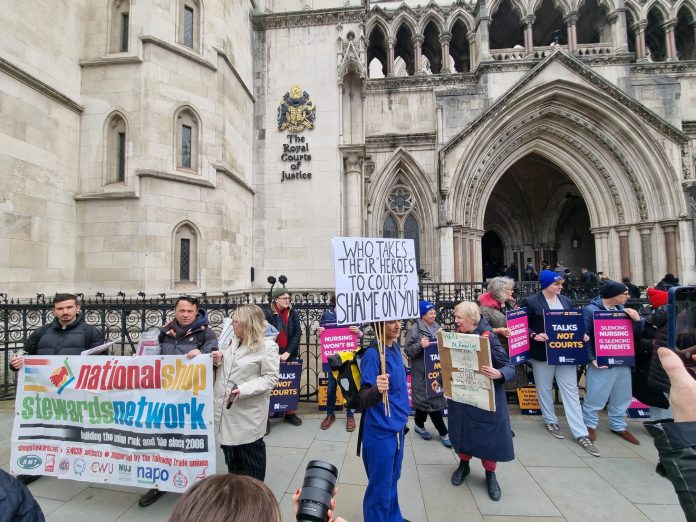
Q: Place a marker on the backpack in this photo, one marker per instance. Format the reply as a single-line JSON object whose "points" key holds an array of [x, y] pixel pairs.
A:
{"points": [[345, 367]]}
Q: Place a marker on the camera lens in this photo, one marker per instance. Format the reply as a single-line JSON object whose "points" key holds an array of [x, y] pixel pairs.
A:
{"points": [[317, 490]]}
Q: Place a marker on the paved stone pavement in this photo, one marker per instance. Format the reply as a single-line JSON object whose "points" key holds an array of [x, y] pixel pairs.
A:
{"points": [[550, 480]]}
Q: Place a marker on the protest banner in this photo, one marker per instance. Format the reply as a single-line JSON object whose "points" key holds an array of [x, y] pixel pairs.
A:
{"points": [[322, 395], [461, 357], [334, 340], [144, 421], [376, 279], [518, 341], [566, 330], [286, 394], [613, 338], [431, 360]]}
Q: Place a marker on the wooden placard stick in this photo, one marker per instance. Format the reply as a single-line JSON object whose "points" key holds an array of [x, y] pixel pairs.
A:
{"points": [[383, 364]]}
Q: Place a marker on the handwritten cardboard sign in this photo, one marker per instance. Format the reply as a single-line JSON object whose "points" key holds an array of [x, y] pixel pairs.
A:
{"points": [[376, 279], [461, 358]]}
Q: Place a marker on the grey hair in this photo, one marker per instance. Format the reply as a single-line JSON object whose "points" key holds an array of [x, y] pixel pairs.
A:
{"points": [[469, 310], [498, 285]]}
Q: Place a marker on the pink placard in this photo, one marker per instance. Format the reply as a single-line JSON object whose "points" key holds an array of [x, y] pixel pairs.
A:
{"points": [[334, 340], [518, 341], [613, 339]]}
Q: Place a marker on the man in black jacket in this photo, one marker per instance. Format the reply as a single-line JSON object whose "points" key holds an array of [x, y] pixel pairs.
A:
{"points": [[17, 503], [67, 334]]}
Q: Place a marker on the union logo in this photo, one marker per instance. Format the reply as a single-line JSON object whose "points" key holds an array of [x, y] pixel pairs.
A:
{"points": [[296, 112], [179, 480], [62, 376]]}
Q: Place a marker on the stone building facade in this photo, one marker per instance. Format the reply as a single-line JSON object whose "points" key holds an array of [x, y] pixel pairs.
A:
{"points": [[191, 145]]}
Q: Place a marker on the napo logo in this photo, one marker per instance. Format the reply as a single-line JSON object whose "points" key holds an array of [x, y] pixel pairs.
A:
{"points": [[63, 466], [179, 480], [29, 461], [79, 466], [149, 475]]}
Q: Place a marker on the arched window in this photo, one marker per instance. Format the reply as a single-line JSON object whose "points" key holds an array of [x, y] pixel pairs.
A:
{"points": [[459, 47], [377, 53], [685, 34], [120, 18], [404, 49], [432, 49], [185, 256], [400, 220], [655, 43], [548, 26], [592, 26], [116, 149], [506, 29], [189, 32], [187, 136]]}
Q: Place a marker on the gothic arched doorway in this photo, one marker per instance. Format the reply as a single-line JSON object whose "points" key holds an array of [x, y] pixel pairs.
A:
{"points": [[492, 254], [540, 215]]}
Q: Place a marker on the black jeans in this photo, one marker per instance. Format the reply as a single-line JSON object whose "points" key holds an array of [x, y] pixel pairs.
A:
{"points": [[435, 416], [247, 459]]}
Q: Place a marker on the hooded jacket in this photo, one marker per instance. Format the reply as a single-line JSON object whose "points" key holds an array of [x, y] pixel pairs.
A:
{"points": [[176, 341]]}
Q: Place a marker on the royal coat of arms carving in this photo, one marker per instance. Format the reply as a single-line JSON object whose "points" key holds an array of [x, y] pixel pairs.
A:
{"points": [[296, 112]]}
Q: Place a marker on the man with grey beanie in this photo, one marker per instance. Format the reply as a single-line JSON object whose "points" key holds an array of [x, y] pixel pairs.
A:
{"points": [[604, 384]]}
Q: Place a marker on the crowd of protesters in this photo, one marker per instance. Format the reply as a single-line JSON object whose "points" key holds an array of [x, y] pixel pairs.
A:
{"points": [[247, 370]]}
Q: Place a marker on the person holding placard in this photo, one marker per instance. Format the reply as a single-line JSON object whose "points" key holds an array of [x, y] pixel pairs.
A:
{"points": [[423, 333], [609, 384], [494, 304], [476, 432], [382, 434], [328, 321], [248, 373], [550, 298], [283, 317]]}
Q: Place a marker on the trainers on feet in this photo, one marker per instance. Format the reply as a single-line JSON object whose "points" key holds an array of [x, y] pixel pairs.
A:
{"points": [[555, 430], [425, 434], [588, 446], [446, 442]]}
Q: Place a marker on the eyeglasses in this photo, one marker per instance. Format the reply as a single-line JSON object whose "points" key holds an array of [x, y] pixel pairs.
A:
{"points": [[286, 298]]}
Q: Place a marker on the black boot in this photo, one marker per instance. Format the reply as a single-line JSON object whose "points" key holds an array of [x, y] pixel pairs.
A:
{"points": [[493, 486], [460, 473]]}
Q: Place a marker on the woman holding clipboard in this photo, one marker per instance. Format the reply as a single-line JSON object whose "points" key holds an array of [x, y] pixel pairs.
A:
{"points": [[550, 298]]}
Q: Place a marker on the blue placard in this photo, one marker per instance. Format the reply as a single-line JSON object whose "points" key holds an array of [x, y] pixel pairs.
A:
{"points": [[286, 394], [565, 329], [431, 359]]}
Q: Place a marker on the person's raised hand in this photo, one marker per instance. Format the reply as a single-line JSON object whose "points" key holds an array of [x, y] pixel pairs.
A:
{"points": [[682, 394]]}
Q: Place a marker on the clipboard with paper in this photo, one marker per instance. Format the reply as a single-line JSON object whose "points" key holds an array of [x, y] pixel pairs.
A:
{"points": [[461, 359]]}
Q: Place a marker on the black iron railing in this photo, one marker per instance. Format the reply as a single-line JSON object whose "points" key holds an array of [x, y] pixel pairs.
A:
{"points": [[123, 320]]}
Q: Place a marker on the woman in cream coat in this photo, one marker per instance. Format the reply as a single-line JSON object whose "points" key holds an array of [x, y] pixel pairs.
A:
{"points": [[246, 376]]}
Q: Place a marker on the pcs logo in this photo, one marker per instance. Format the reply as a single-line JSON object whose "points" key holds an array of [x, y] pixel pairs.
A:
{"points": [[29, 461]]}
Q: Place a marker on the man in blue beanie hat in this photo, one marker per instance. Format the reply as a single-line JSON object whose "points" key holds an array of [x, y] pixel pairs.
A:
{"points": [[602, 383]]}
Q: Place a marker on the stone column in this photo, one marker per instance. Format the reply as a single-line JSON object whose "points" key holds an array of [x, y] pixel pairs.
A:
{"points": [[352, 165], [669, 228], [475, 256], [390, 56], [473, 50], [482, 37], [670, 42], [571, 21], [448, 254], [528, 36], [646, 250], [445, 39], [639, 29], [602, 255], [624, 253], [619, 35], [417, 41]]}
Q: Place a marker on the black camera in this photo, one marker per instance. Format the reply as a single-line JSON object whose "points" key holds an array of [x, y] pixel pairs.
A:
{"points": [[317, 489]]}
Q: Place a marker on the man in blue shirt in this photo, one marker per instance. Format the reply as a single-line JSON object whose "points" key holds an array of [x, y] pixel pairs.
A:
{"points": [[383, 436]]}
